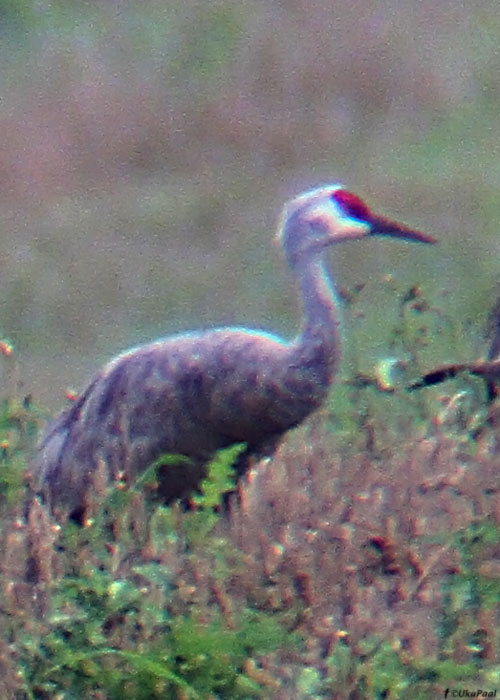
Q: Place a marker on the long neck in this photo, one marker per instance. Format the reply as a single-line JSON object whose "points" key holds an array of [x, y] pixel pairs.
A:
{"points": [[318, 343]]}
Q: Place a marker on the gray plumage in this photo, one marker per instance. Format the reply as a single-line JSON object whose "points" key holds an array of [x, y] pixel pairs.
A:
{"points": [[195, 393]]}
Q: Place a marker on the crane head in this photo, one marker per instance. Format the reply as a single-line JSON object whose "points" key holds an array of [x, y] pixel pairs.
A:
{"points": [[330, 214]]}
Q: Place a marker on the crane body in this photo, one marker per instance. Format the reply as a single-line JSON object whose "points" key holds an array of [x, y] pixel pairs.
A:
{"points": [[195, 393]]}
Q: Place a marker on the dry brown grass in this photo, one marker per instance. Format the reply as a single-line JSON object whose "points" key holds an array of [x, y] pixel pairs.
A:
{"points": [[361, 555]]}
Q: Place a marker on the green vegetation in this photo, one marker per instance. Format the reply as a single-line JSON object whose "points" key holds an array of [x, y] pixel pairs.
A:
{"points": [[112, 632], [164, 602], [83, 649], [146, 149]]}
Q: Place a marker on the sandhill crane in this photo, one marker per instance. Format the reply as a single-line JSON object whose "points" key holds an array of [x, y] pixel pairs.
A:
{"points": [[195, 393]]}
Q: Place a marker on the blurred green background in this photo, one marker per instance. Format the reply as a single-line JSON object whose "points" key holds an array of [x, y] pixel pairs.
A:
{"points": [[147, 148]]}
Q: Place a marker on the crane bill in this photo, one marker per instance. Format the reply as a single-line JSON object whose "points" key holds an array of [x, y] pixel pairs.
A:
{"points": [[381, 226]]}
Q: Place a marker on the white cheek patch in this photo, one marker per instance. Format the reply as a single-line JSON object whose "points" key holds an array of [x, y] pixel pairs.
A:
{"points": [[323, 215], [331, 218]]}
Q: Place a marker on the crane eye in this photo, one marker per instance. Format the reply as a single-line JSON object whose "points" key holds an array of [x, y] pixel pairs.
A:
{"points": [[351, 205]]}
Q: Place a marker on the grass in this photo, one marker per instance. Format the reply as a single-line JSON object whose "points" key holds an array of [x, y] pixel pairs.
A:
{"points": [[361, 561], [362, 558], [108, 627]]}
